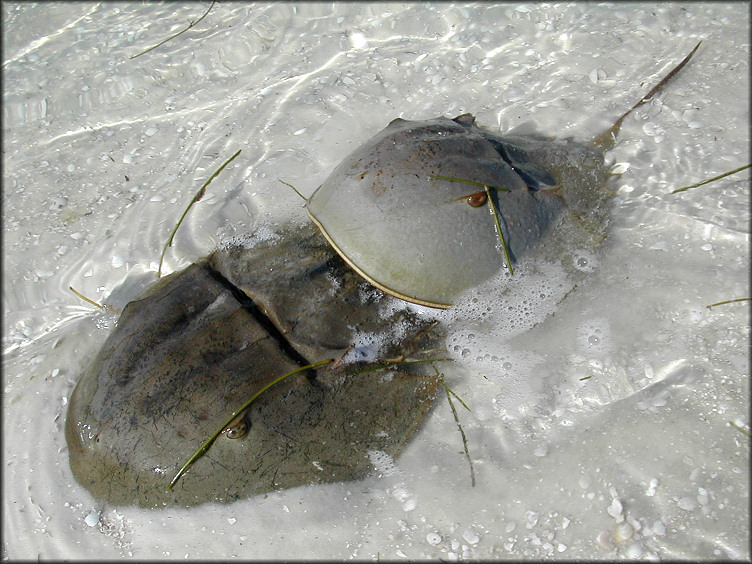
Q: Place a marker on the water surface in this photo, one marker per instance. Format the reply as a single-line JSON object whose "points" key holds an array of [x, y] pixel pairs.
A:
{"points": [[603, 430]]}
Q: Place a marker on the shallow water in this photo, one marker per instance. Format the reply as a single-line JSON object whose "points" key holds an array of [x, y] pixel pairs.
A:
{"points": [[603, 430]]}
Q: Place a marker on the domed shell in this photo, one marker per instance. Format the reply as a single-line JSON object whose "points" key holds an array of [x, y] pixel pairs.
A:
{"points": [[391, 210]]}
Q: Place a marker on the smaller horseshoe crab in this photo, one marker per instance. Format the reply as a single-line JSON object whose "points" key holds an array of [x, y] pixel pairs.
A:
{"points": [[406, 211], [392, 212]]}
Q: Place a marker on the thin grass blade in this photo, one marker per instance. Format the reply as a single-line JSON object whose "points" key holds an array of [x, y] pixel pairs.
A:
{"points": [[449, 394], [190, 25], [704, 182], [210, 441], [196, 198], [500, 231]]}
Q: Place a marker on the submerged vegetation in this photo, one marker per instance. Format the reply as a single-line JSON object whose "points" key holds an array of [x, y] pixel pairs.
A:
{"points": [[449, 394], [84, 298], [190, 25], [708, 181], [740, 429], [196, 198], [703, 183], [711, 306]]}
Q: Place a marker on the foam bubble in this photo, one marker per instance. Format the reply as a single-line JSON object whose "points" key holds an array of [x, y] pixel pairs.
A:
{"points": [[383, 463], [370, 346], [516, 303], [584, 261], [594, 337], [365, 346], [261, 232], [486, 318]]}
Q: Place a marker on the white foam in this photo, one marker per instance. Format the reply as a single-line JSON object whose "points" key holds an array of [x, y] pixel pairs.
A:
{"points": [[486, 318], [484, 322], [261, 232], [366, 347], [369, 346]]}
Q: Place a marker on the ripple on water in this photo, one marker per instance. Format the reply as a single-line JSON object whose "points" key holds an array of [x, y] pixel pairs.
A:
{"points": [[99, 166]]}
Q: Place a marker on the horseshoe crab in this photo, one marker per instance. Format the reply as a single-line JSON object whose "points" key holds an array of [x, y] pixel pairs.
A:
{"points": [[394, 215], [406, 212], [196, 346]]}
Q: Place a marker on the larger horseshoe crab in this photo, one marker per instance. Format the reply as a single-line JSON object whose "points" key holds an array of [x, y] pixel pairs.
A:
{"points": [[195, 347], [198, 344]]}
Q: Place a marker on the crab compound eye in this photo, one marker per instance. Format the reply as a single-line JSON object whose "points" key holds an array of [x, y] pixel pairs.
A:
{"points": [[478, 199], [237, 430]]}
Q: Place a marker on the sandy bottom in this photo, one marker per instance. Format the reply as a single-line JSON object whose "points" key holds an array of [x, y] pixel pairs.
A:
{"points": [[617, 427]]}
